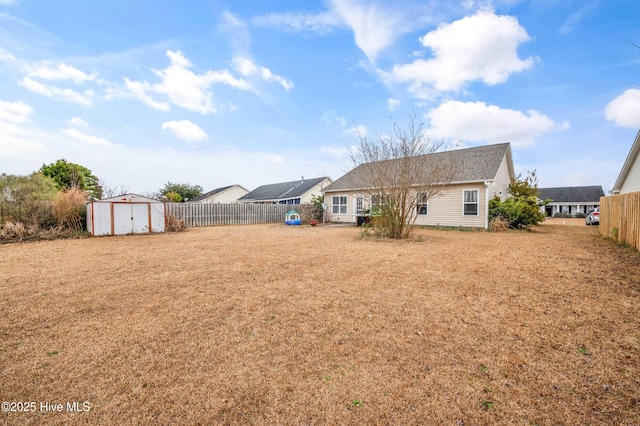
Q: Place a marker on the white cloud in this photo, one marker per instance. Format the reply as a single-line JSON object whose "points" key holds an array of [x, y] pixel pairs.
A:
{"points": [[24, 148], [375, 24], [357, 131], [86, 138], [15, 112], [78, 122], [248, 68], [236, 31], [53, 92], [48, 71], [392, 104], [183, 87], [374, 27], [577, 16], [479, 122], [339, 153], [9, 2], [6, 56], [185, 130], [479, 47], [332, 117], [18, 145], [297, 22], [139, 91], [624, 110]]}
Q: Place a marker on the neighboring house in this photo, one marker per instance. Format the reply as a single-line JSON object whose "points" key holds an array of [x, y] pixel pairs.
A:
{"points": [[226, 195], [480, 174], [629, 179], [571, 199], [296, 192]]}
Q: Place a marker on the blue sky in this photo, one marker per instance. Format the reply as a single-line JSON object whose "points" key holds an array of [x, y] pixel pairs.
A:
{"points": [[216, 93]]}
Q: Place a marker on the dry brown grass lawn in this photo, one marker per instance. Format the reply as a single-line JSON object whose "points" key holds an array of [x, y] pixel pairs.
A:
{"points": [[272, 324]]}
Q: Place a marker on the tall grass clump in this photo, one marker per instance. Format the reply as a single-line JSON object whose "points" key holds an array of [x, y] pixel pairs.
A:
{"points": [[69, 209]]}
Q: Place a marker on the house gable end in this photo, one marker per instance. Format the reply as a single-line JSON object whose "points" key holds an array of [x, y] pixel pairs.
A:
{"points": [[629, 178]]}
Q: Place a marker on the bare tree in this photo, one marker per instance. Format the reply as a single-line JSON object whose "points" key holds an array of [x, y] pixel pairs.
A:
{"points": [[109, 191], [400, 175]]}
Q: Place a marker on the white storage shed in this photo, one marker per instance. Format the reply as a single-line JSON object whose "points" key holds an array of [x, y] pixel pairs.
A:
{"points": [[125, 214]]}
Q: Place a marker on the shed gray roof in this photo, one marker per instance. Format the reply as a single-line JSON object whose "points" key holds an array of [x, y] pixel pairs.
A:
{"points": [[210, 193], [472, 165], [284, 190], [572, 194]]}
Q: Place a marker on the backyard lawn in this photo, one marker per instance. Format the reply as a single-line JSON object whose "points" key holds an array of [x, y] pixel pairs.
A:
{"points": [[276, 324]]}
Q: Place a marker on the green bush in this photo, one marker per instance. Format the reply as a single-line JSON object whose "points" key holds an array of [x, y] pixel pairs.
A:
{"points": [[27, 199], [522, 210], [318, 211], [519, 213]]}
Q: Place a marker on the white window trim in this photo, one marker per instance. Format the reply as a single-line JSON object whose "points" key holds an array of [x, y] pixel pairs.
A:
{"points": [[355, 204], [477, 202], [339, 205], [420, 204]]}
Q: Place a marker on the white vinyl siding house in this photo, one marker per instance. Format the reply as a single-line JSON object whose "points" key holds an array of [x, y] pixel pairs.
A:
{"points": [[470, 202], [570, 200], [485, 172], [339, 204], [504, 177], [295, 192], [447, 208], [629, 178], [224, 195]]}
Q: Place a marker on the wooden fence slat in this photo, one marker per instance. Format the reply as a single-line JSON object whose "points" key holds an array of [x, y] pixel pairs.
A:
{"points": [[203, 214], [620, 218]]}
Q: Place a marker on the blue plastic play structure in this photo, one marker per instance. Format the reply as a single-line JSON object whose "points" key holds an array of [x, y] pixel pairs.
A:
{"points": [[292, 218]]}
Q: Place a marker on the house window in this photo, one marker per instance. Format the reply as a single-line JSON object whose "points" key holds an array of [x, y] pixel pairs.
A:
{"points": [[377, 200], [470, 202], [339, 204], [421, 205], [359, 204]]}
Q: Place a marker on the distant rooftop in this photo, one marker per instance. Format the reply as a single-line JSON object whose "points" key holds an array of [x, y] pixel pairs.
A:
{"points": [[572, 194], [210, 193], [281, 191]]}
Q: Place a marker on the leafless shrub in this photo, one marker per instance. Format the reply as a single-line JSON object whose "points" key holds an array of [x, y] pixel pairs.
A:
{"points": [[173, 224], [398, 173], [498, 224], [13, 231]]}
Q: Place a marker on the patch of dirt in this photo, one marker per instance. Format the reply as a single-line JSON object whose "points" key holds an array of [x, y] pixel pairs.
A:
{"points": [[273, 324]]}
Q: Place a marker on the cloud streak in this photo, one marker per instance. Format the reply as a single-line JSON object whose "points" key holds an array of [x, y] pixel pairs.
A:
{"points": [[185, 130]]}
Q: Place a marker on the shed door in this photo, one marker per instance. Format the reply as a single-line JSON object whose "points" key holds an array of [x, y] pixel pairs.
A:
{"points": [[129, 218], [140, 218]]}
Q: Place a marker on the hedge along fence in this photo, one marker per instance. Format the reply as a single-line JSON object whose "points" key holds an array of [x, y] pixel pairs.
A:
{"points": [[203, 214], [620, 218]]}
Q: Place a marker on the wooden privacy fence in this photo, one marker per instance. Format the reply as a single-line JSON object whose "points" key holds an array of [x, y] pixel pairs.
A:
{"points": [[203, 214], [620, 218]]}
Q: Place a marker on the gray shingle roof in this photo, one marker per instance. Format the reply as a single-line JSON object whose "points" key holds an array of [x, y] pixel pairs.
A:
{"points": [[572, 194], [284, 190], [210, 193], [472, 165]]}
